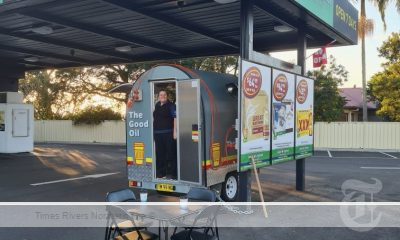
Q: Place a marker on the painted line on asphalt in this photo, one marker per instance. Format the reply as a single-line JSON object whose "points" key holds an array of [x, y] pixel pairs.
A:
{"points": [[387, 154], [355, 156], [329, 153], [45, 155], [74, 179], [382, 168]]}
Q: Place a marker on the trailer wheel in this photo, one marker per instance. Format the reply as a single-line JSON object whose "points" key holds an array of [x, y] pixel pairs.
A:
{"points": [[229, 191]]}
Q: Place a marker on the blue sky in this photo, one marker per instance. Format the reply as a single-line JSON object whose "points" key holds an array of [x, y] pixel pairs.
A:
{"points": [[350, 56]]}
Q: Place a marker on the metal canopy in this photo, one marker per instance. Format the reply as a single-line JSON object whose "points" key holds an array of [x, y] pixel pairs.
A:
{"points": [[87, 32]]}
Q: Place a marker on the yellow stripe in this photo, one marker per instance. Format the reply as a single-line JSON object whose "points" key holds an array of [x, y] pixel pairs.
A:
{"points": [[207, 162], [129, 159], [228, 158], [140, 162], [149, 160]]}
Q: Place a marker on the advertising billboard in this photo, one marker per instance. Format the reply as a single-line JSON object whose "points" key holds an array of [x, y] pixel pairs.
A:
{"points": [[276, 116], [283, 95], [304, 117], [255, 115]]}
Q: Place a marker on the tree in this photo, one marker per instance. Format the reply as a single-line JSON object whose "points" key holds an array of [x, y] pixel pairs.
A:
{"points": [[385, 86], [94, 115], [220, 64], [390, 49], [45, 93], [328, 104], [99, 79], [56, 93], [365, 28]]}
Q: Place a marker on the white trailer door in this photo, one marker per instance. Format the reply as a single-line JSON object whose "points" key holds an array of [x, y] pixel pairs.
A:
{"points": [[189, 134]]}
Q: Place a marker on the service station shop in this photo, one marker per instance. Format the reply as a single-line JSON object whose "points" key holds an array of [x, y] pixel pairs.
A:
{"points": [[226, 124]]}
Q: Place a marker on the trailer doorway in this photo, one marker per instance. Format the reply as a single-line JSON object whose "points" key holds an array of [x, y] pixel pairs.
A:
{"points": [[163, 125], [186, 97]]}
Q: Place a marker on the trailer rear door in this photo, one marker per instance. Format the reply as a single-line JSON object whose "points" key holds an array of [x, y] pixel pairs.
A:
{"points": [[188, 106]]}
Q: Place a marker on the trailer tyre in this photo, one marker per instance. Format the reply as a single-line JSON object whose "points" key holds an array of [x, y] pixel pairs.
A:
{"points": [[229, 191]]}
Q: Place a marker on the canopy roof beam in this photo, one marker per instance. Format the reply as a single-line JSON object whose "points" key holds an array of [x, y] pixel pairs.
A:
{"points": [[43, 54], [100, 31], [64, 44], [280, 17], [128, 5]]}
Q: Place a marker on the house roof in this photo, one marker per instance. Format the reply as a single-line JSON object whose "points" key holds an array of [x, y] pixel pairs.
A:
{"points": [[354, 98]]}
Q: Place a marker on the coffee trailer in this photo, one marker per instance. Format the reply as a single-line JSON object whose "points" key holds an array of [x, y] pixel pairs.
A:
{"points": [[206, 109]]}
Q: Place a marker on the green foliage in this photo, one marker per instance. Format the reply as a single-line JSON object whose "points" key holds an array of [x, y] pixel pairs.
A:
{"points": [[94, 116], [328, 104], [390, 49], [56, 93], [382, 5], [98, 80], [45, 93], [220, 64], [385, 86]]}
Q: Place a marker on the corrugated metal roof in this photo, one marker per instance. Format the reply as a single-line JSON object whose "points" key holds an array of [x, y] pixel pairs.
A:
{"points": [[354, 98], [86, 32]]}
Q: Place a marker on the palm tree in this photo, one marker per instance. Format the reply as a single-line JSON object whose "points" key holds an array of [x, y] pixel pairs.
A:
{"points": [[366, 27]]}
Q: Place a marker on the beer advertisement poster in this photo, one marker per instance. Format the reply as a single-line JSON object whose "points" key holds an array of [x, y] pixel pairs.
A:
{"points": [[304, 117], [283, 101], [256, 115]]}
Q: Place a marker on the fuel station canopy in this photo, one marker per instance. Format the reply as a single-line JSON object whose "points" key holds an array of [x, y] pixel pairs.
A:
{"points": [[38, 34]]}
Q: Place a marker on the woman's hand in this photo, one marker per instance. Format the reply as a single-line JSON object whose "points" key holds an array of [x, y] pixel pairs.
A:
{"points": [[174, 135]]}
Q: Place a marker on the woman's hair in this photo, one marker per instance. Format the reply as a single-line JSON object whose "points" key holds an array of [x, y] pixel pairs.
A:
{"points": [[163, 90]]}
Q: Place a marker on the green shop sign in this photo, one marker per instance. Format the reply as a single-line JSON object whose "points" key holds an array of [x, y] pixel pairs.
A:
{"points": [[323, 9], [345, 19], [339, 14]]}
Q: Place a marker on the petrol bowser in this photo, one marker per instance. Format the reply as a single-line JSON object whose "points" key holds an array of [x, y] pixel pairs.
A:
{"points": [[16, 124]]}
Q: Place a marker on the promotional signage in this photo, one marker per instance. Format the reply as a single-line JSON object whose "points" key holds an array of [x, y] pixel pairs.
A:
{"points": [[345, 19], [283, 104], [320, 58], [276, 116], [256, 115], [304, 117], [339, 14]]}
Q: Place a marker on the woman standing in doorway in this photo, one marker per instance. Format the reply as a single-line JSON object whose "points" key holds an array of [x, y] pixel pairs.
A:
{"points": [[164, 125]]}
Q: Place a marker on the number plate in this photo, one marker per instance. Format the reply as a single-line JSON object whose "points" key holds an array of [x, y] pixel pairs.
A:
{"points": [[165, 187]]}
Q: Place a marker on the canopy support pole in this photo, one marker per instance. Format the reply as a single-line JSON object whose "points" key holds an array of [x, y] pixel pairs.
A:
{"points": [[301, 61], [9, 79], [246, 49]]}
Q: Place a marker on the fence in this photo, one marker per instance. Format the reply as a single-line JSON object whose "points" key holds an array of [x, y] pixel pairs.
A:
{"points": [[358, 135], [64, 131], [344, 135]]}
